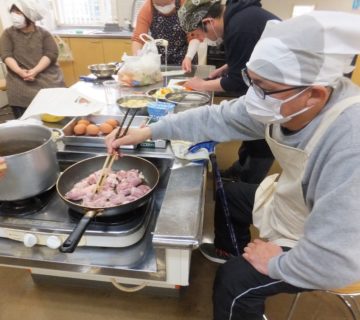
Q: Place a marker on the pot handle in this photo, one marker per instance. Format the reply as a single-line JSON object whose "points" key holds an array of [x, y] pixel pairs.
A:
{"points": [[57, 134], [121, 287], [70, 244]]}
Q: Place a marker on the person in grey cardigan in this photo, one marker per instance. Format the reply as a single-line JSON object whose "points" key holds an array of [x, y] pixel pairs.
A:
{"points": [[30, 54], [309, 114]]}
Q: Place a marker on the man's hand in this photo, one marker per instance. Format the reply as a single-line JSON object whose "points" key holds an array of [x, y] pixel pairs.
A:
{"points": [[219, 72], [195, 84], [133, 136], [258, 253]]}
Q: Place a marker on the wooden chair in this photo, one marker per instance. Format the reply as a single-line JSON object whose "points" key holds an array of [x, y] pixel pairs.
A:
{"points": [[346, 295]]}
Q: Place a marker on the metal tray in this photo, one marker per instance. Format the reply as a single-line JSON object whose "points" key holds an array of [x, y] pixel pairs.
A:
{"points": [[97, 141]]}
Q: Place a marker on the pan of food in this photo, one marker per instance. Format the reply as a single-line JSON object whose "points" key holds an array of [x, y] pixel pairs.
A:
{"points": [[129, 185], [138, 101]]}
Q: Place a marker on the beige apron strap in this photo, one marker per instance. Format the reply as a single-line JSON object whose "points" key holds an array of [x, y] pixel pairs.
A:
{"points": [[329, 117]]}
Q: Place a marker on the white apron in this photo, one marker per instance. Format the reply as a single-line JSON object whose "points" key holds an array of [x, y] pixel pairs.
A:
{"points": [[279, 210]]}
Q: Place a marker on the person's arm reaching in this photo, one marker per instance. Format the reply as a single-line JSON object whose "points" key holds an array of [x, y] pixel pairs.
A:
{"points": [[204, 85], [190, 54], [134, 136], [143, 22]]}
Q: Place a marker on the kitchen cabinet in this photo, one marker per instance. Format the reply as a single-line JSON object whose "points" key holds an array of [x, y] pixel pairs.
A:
{"points": [[88, 51], [114, 49], [356, 73]]}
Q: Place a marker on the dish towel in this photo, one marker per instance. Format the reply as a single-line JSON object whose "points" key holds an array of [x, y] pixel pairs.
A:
{"points": [[194, 152], [181, 151]]}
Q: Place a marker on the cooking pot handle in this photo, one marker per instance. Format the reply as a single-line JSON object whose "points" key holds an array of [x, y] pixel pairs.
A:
{"points": [[126, 288], [57, 134], [70, 244]]}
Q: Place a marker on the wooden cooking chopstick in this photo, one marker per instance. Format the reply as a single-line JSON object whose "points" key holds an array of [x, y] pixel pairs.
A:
{"points": [[111, 157]]}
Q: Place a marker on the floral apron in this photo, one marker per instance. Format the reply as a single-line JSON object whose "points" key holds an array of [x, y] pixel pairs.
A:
{"points": [[168, 27]]}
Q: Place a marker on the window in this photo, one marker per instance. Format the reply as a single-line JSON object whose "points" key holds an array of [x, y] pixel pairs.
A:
{"points": [[299, 10], [135, 10], [84, 12]]}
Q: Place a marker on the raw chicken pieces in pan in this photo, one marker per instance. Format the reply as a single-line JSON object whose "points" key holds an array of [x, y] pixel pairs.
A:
{"points": [[120, 187]]}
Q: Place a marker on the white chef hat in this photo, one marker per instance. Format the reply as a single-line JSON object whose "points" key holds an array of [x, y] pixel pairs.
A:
{"points": [[32, 9], [316, 48]]}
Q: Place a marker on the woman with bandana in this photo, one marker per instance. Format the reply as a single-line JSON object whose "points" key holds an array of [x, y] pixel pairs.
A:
{"points": [[159, 17], [309, 113], [30, 54]]}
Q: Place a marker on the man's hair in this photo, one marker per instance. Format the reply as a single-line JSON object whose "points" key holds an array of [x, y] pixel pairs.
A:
{"points": [[215, 11]]}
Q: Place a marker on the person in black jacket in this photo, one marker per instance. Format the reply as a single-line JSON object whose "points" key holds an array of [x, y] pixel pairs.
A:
{"points": [[240, 24]]}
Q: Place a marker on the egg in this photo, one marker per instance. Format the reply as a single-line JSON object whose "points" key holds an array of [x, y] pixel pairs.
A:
{"points": [[84, 121], [92, 130], [80, 129], [106, 128], [113, 122]]}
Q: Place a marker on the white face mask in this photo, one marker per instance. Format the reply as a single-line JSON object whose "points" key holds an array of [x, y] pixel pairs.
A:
{"points": [[165, 9], [268, 110], [214, 43], [18, 20]]}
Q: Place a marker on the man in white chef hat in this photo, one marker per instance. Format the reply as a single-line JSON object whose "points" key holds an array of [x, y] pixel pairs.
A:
{"points": [[308, 216]]}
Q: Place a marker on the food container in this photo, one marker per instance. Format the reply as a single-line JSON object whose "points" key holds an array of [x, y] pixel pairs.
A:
{"points": [[160, 109], [160, 93], [135, 101], [30, 155], [98, 141], [185, 100], [103, 70]]}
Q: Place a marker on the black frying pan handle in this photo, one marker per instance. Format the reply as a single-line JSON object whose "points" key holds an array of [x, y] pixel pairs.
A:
{"points": [[70, 244]]}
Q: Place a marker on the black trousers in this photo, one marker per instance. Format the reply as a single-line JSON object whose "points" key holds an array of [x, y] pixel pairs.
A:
{"points": [[240, 198], [240, 291], [255, 160]]}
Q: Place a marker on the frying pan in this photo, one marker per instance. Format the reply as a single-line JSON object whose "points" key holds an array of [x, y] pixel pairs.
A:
{"points": [[83, 169]]}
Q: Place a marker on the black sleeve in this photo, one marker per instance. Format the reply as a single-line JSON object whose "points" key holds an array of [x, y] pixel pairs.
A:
{"points": [[237, 55]]}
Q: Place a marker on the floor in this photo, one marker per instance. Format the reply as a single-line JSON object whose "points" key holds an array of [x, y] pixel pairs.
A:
{"points": [[22, 298]]}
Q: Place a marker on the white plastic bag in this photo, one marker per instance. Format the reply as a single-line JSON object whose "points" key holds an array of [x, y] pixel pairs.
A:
{"points": [[65, 53], [143, 69]]}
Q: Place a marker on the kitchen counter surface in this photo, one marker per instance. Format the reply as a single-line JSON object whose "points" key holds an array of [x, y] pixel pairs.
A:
{"points": [[185, 177], [92, 33]]}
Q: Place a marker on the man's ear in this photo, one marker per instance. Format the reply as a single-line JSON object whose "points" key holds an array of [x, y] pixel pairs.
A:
{"points": [[318, 96]]}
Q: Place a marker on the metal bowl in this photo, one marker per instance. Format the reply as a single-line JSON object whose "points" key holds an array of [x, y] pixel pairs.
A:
{"points": [[135, 101], [103, 70], [152, 93]]}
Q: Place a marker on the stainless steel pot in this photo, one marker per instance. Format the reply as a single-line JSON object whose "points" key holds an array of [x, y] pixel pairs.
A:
{"points": [[30, 155]]}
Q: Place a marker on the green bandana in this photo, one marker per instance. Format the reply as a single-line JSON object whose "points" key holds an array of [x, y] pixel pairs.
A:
{"points": [[192, 12]]}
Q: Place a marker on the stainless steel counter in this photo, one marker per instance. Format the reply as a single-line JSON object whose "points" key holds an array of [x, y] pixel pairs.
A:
{"points": [[161, 258]]}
